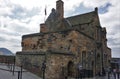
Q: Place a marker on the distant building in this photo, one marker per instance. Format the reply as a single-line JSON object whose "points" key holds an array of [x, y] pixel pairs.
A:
{"points": [[6, 56], [65, 45], [115, 63]]}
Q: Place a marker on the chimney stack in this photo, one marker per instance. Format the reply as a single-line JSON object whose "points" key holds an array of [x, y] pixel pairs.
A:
{"points": [[43, 28], [96, 9], [60, 8]]}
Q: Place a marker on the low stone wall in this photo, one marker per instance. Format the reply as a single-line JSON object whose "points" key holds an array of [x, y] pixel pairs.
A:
{"points": [[31, 61]]}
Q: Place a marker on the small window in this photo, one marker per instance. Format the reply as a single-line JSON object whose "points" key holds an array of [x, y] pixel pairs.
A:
{"points": [[61, 47], [70, 41]]}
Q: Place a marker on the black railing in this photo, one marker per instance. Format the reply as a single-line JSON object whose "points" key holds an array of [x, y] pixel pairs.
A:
{"points": [[84, 74], [11, 68]]}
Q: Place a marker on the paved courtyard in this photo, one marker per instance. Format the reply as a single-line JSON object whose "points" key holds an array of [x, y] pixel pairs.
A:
{"points": [[5, 73], [98, 78]]}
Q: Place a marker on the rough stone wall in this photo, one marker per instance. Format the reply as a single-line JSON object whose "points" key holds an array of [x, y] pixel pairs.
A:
{"points": [[91, 27], [55, 64], [109, 53], [109, 56], [105, 56], [104, 48], [31, 62], [98, 59], [69, 41], [29, 44]]}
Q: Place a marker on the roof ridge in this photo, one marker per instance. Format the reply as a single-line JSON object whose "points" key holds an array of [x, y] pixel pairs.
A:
{"points": [[80, 14]]}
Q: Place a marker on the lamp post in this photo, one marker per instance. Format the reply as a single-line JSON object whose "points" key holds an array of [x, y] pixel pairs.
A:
{"points": [[13, 65], [43, 68], [21, 72]]}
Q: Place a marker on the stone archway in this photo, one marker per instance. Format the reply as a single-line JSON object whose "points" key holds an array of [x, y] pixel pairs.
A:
{"points": [[70, 69]]}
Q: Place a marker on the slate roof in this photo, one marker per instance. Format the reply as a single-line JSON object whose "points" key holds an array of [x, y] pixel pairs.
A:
{"points": [[54, 23], [68, 22], [81, 19]]}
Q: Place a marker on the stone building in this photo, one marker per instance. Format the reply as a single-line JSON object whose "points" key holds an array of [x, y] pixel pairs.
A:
{"points": [[65, 45]]}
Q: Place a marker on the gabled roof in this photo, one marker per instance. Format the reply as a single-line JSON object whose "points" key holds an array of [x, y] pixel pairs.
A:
{"points": [[54, 23], [82, 19]]}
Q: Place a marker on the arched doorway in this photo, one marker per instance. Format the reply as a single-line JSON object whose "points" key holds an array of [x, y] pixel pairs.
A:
{"points": [[70, 68]]}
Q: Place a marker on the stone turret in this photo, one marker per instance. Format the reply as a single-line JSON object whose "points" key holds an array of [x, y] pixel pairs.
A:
{"points": [[60, 9]]}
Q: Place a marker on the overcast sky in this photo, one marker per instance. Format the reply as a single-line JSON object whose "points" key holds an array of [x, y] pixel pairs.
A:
{"points": [[20, 17]]}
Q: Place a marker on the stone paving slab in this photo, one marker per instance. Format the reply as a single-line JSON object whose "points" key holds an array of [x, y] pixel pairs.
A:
{"points": [[6, 74]]}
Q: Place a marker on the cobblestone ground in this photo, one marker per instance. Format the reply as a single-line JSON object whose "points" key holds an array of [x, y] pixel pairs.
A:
{"points": [[4, 74]]}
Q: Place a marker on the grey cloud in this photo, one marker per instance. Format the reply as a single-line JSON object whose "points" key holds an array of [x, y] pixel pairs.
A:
{"points": [[104, 9], [20, 12], [8, 38], [19, 29], [116, 52], [115, 46], [12, 33], [15, 40], [81, 9], [8, 31], [2, 39], [112, 41], [16, 46]]}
